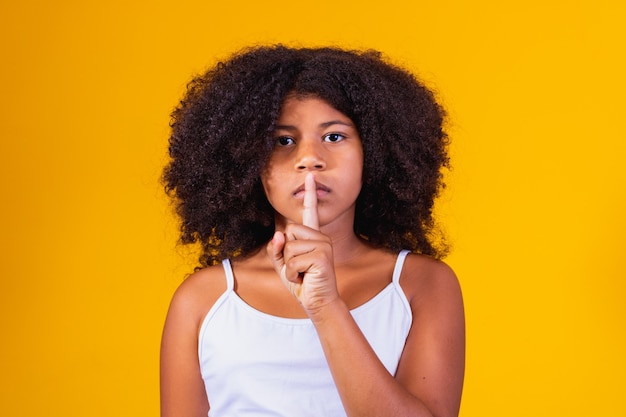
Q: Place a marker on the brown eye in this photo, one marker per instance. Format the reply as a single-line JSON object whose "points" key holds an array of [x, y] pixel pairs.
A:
{"points": [[334, 137], [284, 141]]}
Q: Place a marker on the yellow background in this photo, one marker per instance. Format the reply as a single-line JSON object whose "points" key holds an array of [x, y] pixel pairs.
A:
{"points": [[535, 207]]}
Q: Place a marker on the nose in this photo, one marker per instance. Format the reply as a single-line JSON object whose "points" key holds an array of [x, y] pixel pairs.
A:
{"points": [[310, 156]]}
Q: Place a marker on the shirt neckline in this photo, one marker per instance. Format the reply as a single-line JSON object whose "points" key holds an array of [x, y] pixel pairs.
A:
{"points": [[304, 321]]}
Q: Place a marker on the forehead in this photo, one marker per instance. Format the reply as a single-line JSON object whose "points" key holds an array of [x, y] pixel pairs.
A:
{"points": [[309, 108]]}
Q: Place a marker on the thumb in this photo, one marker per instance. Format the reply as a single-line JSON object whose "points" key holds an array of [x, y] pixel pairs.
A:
{"points": [[275, 252]]}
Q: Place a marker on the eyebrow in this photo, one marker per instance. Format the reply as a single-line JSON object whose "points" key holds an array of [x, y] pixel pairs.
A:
{"points": [[322, 125]]}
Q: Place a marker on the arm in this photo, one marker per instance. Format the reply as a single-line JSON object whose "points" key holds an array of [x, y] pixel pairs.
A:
{"points": [[182, 388], [430, 374], [433, 361]]}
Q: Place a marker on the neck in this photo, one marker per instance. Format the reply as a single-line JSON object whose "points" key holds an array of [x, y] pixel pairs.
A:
{"points": [[347, 247]]}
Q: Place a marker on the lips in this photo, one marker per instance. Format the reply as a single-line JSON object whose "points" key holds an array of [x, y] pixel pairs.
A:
{"points": [[321, 189]]}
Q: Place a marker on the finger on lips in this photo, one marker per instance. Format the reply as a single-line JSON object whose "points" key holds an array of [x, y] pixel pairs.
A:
{"points": [[309, 210]]}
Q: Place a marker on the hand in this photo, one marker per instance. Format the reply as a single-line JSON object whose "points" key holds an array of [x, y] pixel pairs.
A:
{"points": [[303, 257]]}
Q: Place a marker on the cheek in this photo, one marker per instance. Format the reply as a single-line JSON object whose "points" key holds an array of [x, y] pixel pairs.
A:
{"points": [[267, 177], [266, 182], [357, 164], [270, 179], [274, 174]]}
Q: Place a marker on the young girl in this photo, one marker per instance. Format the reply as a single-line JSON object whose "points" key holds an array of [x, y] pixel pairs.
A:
{"points": [[308, 176]]}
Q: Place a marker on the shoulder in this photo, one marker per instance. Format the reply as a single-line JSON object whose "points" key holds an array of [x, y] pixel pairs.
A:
{"points": [[182, 389], [427, 281], [197, 294]]}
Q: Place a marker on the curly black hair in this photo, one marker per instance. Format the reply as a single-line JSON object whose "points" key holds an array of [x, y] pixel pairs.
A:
{"points": [[222, 137]]}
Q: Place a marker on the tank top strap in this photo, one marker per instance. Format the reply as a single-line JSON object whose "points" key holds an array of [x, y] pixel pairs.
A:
{"points": [[397, 270], [230, 278]]}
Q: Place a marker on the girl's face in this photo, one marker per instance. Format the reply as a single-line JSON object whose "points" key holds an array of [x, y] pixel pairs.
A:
{"points": [[312, 136]]}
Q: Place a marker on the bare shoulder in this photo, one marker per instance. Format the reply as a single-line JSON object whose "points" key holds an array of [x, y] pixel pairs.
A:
{"points": [[198, 293], [427, 280], [182, 389]]}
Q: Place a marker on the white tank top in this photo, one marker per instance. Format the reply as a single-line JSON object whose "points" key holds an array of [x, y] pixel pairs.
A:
{"points": [[256, 364]]}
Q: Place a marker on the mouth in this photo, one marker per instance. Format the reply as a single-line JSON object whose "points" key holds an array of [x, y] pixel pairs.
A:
{"points": [[321, 191]]}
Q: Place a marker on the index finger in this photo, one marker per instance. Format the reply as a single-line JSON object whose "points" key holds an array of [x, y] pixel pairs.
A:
{"points": [[309, 210]]}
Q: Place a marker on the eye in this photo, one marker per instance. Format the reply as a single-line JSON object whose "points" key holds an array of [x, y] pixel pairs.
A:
{"points": [[333, 137], [284, 141]]}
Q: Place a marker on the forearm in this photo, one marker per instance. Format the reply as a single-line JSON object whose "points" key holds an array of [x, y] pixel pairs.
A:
{"points": [[364, 384]]}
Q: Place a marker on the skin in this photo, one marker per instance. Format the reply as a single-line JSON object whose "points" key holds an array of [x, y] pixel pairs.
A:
{"points": [[316, 267]]}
